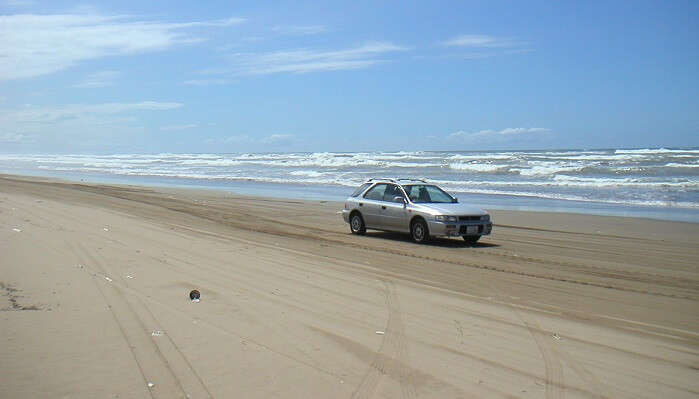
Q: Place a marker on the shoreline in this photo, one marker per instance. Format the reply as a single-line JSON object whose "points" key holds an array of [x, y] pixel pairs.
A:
{"points": [[295, 191]]}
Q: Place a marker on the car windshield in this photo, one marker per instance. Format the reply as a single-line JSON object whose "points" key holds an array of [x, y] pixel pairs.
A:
{"points": [[424, 193]]}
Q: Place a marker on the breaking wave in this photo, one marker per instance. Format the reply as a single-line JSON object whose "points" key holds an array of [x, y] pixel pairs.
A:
{"points": [[658, 177]]}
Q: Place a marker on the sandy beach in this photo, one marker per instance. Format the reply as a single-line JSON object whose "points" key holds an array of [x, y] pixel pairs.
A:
{"points": [[94, 285]]}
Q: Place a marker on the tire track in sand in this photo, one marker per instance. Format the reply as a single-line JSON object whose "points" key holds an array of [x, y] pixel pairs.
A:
{"points": [[392, 356], [554, 358], [204, 323], [160, 379], [553, 365]]}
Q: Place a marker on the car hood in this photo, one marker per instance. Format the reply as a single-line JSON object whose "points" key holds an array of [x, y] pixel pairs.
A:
{"points": [[451, 209]]}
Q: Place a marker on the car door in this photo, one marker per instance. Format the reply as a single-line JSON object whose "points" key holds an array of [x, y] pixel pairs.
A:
{"points": [[371, 204], [394, 214]]}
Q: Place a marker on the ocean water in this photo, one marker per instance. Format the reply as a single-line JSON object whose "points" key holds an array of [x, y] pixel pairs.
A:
{"points": [[660, 183]]}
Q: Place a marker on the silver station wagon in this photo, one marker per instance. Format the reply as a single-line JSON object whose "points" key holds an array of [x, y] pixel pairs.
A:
{"points": [[416, 207]]}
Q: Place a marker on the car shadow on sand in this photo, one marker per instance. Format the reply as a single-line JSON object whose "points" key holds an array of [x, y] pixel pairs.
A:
{"points": [[443, 242]]}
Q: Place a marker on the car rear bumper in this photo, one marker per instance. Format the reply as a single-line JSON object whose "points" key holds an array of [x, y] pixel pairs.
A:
{"points": [[451, 229]]}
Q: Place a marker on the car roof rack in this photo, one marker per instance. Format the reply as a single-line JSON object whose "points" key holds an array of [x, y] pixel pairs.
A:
{"points": [[420, 180], [381, 178], [392, 180]]}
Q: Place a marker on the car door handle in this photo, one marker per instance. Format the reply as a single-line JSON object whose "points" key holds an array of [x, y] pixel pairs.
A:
{"points": [[360, 204], [383, 206]]}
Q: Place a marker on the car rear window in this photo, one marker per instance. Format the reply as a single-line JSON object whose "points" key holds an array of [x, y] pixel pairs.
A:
{"points": [[360, 189]]}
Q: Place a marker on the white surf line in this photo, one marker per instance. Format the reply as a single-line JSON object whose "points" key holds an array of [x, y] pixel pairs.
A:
{"points": [[558, 312]]}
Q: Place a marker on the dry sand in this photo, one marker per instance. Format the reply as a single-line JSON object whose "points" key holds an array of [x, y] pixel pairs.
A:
{"points": [[95, 282]]}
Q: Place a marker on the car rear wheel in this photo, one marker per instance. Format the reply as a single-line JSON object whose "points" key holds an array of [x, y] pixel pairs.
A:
{"points": [[471, 239], [357, 224], [419, 231]]}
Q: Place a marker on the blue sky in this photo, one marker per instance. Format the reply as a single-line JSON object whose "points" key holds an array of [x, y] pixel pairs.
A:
{"points": [[148, 77]]}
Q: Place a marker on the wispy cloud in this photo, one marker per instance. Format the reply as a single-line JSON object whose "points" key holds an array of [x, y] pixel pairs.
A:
{"points": [[208, 82], [44, 114], [271, 140], [98, 79], [299, 29], [15, 138], [179, 127], [35, 45], [278, 139], [305, 61], [98, 126], [508, 132], [482, 41], [240, 139], [18, 3]]}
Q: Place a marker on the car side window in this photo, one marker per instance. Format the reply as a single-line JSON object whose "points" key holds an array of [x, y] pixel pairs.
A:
{"points": [[422, 193], [376, 192], [412, 192], [392, 191], [418, 193], [360, 189]]}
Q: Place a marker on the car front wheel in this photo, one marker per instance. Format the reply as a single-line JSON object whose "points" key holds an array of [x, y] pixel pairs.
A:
{"points": [[357, 224], [471, 239], [419, 231]]}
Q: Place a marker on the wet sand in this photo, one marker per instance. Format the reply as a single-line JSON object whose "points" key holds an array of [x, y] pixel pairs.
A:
{"points": [[94, 284]]}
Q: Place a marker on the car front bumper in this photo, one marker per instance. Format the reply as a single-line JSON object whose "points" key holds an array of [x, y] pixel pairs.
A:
{"points": [[345, 215], [454, 229]]}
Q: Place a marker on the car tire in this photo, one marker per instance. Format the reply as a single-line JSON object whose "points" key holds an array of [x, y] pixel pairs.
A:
{"points": [[471, 239], [357, 225], [419, 231]]}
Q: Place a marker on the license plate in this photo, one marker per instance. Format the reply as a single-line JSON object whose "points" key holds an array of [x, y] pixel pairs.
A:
{"points": [[471, 229]]}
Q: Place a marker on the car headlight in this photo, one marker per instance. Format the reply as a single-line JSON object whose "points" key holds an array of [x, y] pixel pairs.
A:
{"points": [[485, 218], [445, 218]]}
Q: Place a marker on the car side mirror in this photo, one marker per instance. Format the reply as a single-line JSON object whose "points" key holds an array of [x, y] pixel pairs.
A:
{"points": [[399, 199], [454, 200]]}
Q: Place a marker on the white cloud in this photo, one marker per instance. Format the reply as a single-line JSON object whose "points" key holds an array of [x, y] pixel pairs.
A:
{"points": [[523, 130], [98, 79], [481, 41], [179, 127], [305, 61], [508, 132], [35, 45], [278, 139]]}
